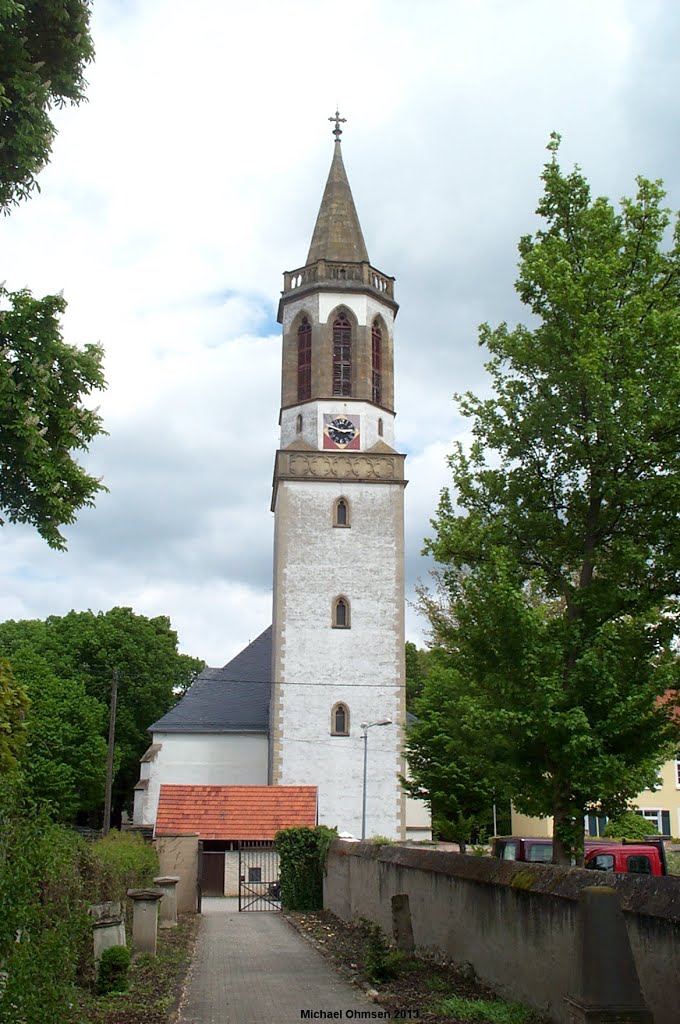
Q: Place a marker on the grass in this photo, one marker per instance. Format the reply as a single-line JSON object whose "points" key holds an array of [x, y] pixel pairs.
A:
{"points": [[486, 1011]]}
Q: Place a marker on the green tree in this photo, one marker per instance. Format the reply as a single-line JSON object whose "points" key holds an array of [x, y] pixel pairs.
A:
{"points": [[417, 661], [42, 382], [14, 705], [81, 649], [64, 762], [562, 559], [44, 48], [453, 760]]}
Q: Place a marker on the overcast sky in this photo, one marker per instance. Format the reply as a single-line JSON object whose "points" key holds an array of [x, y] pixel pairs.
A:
{"points": [[191, 180]]}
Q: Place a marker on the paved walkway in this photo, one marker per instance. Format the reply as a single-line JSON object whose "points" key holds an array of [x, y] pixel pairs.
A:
{"points": [[254, 968]]}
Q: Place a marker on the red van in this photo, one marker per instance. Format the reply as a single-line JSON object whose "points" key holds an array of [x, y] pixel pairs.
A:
{"points": [[648, 858]]}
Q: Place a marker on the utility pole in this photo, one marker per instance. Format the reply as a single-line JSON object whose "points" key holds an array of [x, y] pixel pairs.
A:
{"points": [[109, 757]]}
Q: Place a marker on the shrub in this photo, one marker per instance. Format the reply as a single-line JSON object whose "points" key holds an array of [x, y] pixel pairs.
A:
{"points": [[113, 970], [382, 962], [121, 861], [629, 826], [303, 857], [44, 928]]}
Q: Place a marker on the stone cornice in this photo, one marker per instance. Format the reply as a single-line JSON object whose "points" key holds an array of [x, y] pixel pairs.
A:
{"points": [[350, 467]]}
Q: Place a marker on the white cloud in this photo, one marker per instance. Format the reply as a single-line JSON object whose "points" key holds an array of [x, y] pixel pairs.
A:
{"points": [[191, 179]]}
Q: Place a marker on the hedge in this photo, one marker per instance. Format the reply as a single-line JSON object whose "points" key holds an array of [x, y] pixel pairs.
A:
{"points": [[49, 876]]}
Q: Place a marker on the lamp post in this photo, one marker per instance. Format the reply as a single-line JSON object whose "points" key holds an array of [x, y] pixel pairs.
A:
{"points": [[366, 726]]}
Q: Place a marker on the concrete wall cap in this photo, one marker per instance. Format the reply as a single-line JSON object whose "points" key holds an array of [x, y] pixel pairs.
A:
{"points": [[644, 894], [145, 894]]}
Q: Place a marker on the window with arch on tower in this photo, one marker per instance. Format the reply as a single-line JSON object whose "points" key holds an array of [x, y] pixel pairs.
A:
{"points": [[341, 512], [376, 362], [341, 613], [298, 423], [340, 720], [304, 354], [342, 356]]}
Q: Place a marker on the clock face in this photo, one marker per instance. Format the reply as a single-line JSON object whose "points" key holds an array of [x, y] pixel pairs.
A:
{"points": [[341, 432]]}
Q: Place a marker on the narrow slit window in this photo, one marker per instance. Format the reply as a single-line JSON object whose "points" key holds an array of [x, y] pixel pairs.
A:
{"points": [[342, 356], [298, 423], [304, 338], [341, 513], [341, 613], [380, 427], [376, 360], [340, 720]]}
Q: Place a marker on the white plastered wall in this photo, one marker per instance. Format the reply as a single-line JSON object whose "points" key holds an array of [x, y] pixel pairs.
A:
{"points": [[361, 666], [203, 759]]}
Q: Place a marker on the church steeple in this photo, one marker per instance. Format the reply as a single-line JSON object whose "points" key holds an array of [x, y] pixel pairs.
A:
{"points": [[338, 630], [337, 233]]}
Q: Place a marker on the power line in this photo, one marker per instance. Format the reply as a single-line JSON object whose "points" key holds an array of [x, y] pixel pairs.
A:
{"points": [[290, 682]]}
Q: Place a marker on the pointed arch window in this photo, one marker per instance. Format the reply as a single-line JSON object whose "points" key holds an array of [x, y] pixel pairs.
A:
{"points": [[376, 362], [304, 354], [341, 512], [342, 356], [341, 613], [340, 720]]}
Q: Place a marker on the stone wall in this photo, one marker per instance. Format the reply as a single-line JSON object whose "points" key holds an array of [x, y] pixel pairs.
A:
{"points": [[514, 922], [178, 855]]}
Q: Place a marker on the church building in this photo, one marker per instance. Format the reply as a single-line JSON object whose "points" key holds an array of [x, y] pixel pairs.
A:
{"points": [[318, 699]]}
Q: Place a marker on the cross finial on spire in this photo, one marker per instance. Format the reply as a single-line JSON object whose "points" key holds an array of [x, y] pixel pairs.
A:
{"points": [[337, 131]]}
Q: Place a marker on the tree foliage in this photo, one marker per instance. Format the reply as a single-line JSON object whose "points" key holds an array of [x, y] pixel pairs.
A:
{"points": [[42, 384], [417, 661], [14, 705], [64, 762], [453, 760], [68, 662], [44, 48], [562, 558]]}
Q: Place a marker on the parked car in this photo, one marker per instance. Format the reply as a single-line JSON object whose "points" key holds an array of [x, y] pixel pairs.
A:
{"points": [[647, 858]]}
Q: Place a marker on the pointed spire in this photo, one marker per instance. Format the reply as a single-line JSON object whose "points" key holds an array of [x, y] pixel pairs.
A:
{"points": [[337, 233]]}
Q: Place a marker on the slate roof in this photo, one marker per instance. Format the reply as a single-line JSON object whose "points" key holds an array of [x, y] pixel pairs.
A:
{"points": [[230, 699], [234, 812]]}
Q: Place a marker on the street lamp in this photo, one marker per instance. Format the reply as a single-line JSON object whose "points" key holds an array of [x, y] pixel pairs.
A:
{"points": [[366, 726]]}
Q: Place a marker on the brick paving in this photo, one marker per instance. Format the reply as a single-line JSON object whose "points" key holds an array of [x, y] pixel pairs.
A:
{"points": [[253, 968]]}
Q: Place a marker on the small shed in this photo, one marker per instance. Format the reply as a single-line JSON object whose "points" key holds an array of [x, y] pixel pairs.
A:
{"points": [[227, 818]]}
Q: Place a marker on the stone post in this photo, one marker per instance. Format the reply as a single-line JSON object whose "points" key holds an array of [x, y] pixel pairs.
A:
{"points": [[108, 928], [168, 912], [606, 988], [402, 928], [145, 919]]}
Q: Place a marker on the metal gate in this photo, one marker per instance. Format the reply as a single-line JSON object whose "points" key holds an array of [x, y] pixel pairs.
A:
{"points": [[258, 876]]}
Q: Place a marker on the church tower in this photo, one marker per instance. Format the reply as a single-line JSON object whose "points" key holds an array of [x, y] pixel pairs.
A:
{"points": [[338, 500]]}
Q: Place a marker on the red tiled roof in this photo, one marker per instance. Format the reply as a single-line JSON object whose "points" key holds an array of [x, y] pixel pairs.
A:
{"points": [[234, 812]]}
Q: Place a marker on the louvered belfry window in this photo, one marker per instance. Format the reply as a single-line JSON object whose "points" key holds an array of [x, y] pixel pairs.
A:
{"points": [[342, 356], [304, 336], [376, 346]]}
